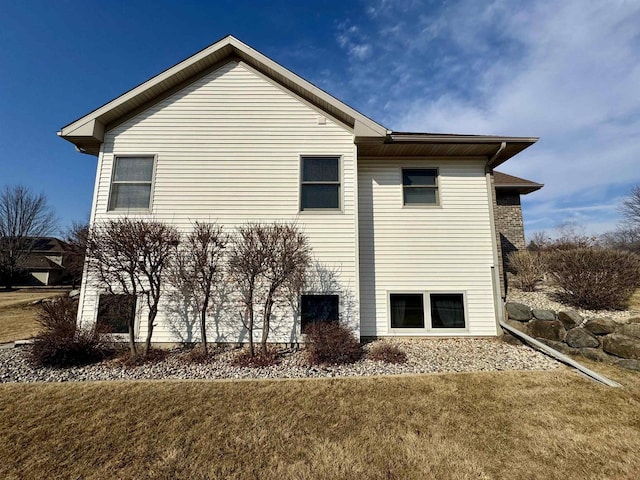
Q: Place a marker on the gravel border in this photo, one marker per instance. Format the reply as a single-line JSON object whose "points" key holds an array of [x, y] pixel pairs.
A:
{"points": [[423, 356]]}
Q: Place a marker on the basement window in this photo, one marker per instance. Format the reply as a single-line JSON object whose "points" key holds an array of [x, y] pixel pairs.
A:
{"points": [[131, 183], [447, 310], [407, 310], [320, 183], [115, 311], [319, 308], [420, 186]]}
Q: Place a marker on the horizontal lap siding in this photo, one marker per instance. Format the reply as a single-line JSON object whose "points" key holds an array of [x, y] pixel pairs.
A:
{"points": [[446, 248], [228, 149]]}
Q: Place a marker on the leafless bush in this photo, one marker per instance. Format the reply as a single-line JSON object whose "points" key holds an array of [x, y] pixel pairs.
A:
{"points": [[386, 352], [331, 343], [267, 264], [596, 278], [60, 342], [262, 359], [128, 256], [197, 268], [529, 267]]}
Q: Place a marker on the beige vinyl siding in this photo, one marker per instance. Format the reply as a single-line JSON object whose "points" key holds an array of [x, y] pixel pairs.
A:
{"points": [[445, 248], [228, 149]]}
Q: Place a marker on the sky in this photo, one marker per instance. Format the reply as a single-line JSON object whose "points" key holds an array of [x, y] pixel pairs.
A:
{"points": [[567, 72]]}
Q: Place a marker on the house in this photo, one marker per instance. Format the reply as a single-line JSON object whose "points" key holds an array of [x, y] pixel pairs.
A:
{"points": [[406, 225], [44, 264]]}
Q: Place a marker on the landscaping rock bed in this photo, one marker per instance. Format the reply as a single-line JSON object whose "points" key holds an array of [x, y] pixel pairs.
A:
{"points": [[614, 340], [423, 356]]}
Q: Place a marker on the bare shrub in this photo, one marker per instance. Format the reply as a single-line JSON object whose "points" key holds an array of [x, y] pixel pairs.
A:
{"points": [[199, 355], [248, 360], [267, 264], [61, 343], [596, 278], [197, 268], [331, 343], [387, 352], [528, 266], [130, 256]]}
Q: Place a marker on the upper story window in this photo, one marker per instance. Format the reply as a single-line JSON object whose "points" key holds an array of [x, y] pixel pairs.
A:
{"points": [[320, 185], [420, 186], [131, 183]]}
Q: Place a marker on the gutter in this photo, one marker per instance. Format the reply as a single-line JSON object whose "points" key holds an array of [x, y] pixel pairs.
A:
{"points": [[559, 356]]}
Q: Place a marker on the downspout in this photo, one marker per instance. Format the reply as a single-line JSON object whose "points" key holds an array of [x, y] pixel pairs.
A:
{"points": [[495, 269], [558, 356]]}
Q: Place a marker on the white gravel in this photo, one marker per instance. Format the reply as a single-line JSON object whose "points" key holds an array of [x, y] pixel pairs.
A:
{"points": [[424, 356], [545, 298]]}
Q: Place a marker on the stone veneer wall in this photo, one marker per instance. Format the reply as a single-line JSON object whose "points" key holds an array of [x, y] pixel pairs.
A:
{"points": [[509, 229]]}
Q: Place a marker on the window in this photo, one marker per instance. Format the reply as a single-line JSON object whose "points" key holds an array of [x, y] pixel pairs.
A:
{"points": [[320, 187], [447, 310], [115, 311], [420, 186], [319, 308], [407, 310], [131, 183]]}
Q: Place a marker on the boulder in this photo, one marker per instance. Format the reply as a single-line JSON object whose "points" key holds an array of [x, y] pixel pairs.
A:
{"points": [[544, 314], [580, 338], [632, 320], [522, 326], [600, 326], [621, 346], [630, 330], [74, 293], [518, 311], [547, 329], [629, 364], [560, 347], [597, 355], [570, 318]]}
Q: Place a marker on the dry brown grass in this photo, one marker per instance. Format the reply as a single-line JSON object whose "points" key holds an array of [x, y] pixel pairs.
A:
{"points": [[17, 316], [534, 425]]}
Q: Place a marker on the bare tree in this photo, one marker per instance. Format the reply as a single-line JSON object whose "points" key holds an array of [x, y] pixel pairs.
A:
{"points": [[288, 256], [76, 237], [197, 268], [130, 257], [630, 208], [247, 264], [24, 216]]}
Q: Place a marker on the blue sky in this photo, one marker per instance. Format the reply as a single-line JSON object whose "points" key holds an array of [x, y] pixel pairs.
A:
{"points": [[568, 72]]}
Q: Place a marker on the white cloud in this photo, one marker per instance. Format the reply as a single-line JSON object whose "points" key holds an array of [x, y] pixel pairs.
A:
{"points": [[568, 72]]}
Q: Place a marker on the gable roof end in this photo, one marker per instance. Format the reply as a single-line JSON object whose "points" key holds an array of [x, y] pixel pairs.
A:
{"points": [[87, 132]]}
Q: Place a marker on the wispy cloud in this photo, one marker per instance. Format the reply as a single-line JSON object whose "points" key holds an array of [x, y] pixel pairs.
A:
{"points": [[568, 72]]}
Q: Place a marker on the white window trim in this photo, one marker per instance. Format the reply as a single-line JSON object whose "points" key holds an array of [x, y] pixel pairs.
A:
{"points": [[426, 304], [321, 211], [112, 181], [438, 203]]}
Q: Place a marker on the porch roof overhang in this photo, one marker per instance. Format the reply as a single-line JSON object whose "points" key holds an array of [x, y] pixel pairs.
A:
{"points": [[497, 149]]}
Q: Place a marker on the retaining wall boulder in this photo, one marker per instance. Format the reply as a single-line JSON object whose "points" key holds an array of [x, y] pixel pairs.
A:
{"points": [[580, 338], [600, 339]]}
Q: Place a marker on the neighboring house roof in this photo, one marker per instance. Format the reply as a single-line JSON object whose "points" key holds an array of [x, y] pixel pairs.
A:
{"points": [[39, 262], [373, 139], [50, 245], [504, 181]]}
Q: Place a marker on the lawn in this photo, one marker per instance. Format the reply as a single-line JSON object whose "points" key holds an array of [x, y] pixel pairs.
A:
{"points": [[534, 425], [18, 316]]}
